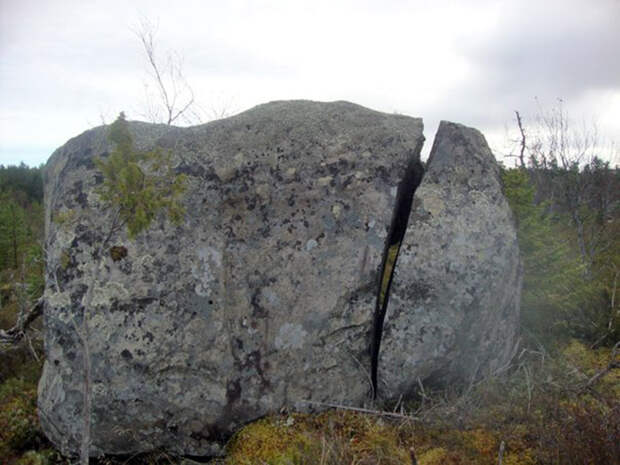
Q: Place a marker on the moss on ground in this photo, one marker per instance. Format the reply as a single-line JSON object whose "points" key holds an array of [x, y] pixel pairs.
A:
{"points": [[540, 410]]}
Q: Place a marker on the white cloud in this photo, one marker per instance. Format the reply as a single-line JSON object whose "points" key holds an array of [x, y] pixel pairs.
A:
{"points": [[64, 63]]}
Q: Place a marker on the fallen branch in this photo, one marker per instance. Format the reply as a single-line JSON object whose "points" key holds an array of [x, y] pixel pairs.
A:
{"points": [[363, 410], [24, 320]]}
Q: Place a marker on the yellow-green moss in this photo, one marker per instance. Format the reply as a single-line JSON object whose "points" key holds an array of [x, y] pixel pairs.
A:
{"points": [[330, 438], [481, 442], [434, 456], [35, 458], [590, 362], [274, 440]]}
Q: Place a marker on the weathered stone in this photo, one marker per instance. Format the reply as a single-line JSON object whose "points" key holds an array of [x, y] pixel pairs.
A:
{"points": [[454, 304], [263, 299]]}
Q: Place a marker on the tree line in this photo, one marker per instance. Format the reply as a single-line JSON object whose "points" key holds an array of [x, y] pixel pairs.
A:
{"points": [[566, 201], [21, 227]]}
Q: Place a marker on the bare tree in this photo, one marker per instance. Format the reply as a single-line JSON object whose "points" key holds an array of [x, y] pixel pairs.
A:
{"points": [[173, 98], [523, 144], [521, 141], [170, 99]]}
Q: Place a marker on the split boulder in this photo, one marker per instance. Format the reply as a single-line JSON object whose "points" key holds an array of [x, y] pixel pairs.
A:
{"points": [[263, 298]]}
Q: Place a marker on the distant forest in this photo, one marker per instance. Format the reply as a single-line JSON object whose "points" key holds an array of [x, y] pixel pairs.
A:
{"points": [[21, 227]]}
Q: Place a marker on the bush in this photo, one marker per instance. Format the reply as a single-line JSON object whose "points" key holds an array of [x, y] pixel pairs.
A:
{"points": [[19, 425]]}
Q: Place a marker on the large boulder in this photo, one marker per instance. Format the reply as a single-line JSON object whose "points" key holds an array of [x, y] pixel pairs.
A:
{"points": [[261, 300], [264, 298], [453, 310]]}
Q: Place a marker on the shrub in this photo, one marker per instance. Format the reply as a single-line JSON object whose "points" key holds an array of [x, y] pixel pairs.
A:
{"points": [[19, 425]]}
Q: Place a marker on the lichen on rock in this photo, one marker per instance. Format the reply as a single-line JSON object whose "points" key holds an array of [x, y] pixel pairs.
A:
{"points": [[263, 299]]}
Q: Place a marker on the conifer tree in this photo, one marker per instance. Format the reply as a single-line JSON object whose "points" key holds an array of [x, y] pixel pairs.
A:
{"points": [[13, 232], [557, 302], [138, 185]]}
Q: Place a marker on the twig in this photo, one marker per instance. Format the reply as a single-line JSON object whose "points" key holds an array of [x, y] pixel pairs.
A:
{"points": [[400, 399], [361, 410], [528, 383], [33, 351]]}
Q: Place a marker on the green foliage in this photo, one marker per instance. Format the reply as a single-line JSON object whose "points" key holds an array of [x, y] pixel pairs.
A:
{"points": [[24, 183], [549, 273], [14, 233], [44, 457], [563, 296], [139, 184], [35, 276], [21, 229], [19, 426]]}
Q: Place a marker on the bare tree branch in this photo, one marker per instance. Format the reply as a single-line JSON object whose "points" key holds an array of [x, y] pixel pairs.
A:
{"points": [[363, 410], [24, 320], [522, 132], [174, 94]]}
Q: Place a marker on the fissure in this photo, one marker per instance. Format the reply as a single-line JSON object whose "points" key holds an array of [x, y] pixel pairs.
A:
{"points": [[400, 217]]}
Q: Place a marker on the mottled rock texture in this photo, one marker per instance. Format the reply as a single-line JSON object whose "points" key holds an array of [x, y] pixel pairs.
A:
{"points": [[262, 299], [454, 303]]}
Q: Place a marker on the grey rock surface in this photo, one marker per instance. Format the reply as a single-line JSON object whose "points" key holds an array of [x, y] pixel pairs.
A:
{"points": [[261, 300], [454, 304]]}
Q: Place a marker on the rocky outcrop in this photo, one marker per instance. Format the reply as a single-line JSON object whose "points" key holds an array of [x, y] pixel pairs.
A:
{"points": [[264, 298]]}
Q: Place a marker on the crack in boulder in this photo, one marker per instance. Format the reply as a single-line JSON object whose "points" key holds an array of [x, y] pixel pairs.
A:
{"points": [[400, 218]]}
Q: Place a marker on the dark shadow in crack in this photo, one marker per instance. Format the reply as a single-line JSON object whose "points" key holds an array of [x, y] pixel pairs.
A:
{"points": [[398, 227]]}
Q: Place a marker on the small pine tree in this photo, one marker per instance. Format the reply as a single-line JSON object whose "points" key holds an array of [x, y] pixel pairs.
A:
{"points": [[138, 185], [13, 232]]}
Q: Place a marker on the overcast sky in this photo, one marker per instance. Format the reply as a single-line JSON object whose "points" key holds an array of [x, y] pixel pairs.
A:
{"points": [[65, 64]]}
